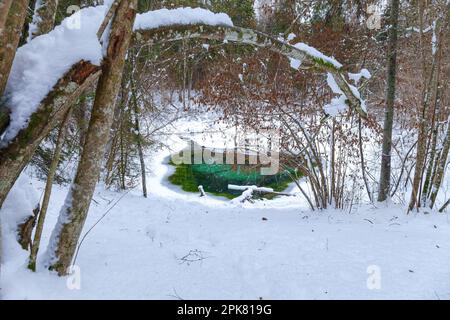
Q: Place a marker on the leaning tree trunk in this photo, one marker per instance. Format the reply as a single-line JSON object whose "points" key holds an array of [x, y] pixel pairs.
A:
{"points": [[43, 18], [385, 173], [4, 9], [73, 215], [9, 39]]}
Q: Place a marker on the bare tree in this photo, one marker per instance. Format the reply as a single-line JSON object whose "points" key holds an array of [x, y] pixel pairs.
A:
{"points": [[43, 18], [9, 38], [430, 84]]}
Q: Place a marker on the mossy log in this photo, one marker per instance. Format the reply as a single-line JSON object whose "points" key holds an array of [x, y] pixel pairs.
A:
{"points": [[255, 38]]}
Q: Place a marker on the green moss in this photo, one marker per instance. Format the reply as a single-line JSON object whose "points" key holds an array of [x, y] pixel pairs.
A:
{"points": [[215, 179]]}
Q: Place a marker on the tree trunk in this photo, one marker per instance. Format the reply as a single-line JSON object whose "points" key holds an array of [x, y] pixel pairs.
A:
{"points": [[5, 5], [43, 18], [25, 229], [385, 173], [48, 191], [429, 86], [138, 135], [9, 39], [15, 156], [73, 215]]}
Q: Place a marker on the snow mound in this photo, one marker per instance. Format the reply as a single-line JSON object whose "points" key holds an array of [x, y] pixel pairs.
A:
{"points": [[180, 16], [317, 54]]}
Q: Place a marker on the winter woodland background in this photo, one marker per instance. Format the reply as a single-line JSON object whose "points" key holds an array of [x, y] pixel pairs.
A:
{"points": [[98, 96]]}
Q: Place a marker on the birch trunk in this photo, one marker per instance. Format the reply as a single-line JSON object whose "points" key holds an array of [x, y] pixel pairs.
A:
{"points": [[73, 215]]}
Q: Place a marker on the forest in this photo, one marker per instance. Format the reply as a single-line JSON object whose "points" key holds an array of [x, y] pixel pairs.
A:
{"points": [[224, 149]]}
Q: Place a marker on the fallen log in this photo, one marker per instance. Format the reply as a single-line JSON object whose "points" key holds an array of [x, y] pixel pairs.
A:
{"points": [[248, 191]]}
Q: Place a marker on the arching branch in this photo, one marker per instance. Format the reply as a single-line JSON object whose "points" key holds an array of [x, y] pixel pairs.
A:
{"points": [[309, 57]]}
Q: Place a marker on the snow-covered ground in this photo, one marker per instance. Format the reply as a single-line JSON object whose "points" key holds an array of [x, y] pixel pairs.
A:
{"points": [[176, 245]]}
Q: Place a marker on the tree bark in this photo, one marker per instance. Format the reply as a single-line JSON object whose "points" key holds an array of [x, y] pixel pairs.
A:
{"points": [[255, 38], [48, 191], [9, 39], [43, 18], [73, 215], [385, 173]]}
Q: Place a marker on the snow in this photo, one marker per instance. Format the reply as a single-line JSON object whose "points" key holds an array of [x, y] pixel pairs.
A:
{"points": [[295, 64], [178, 245], [333, 85], [338, 105], [63, 218], [317, 54], [203, 248], [291, 36], [39, 64], [180, 16]]}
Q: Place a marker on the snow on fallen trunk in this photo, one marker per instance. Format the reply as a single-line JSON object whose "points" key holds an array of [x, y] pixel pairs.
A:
{"points": [[339, 104], [180, 16]]}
